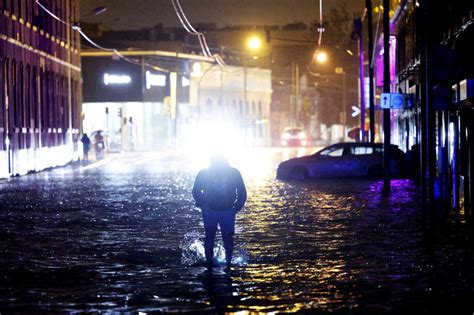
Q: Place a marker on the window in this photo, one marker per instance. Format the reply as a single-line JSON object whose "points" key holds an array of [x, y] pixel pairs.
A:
{"points": [[3, 102], [34, 99], [333, 152], [362, 150], [14, 104]]}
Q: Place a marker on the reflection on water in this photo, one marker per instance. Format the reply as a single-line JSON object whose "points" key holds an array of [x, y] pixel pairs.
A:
{"points": [[126, 237]]}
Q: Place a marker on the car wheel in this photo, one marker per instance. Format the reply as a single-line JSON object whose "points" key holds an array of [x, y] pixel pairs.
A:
{"points": [[299, 173], [375, 171]]}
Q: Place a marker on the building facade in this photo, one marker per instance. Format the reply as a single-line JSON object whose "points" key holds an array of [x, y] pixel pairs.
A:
{"points": [[432, 60], [40, 83], [160, 99], [304, 93], [238, 98]]}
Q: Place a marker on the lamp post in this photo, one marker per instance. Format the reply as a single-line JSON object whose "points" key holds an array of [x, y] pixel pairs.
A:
{"points": [[254, 44], [340, 70]]}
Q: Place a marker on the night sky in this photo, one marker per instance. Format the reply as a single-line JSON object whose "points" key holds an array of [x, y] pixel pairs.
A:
{"points": [[127, 14]]}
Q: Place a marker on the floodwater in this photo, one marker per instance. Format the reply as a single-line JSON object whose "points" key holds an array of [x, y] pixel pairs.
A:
{"points": [[124, 235]]}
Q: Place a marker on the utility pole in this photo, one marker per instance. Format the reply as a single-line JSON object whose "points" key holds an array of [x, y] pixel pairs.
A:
{"points": [[343, 115], [358, 29], [174, 105], [293, 95], [386, 89], [428, 153], [297, 95], [368, 5]]}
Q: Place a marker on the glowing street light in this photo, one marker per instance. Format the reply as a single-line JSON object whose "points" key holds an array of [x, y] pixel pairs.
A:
{"points": [[254, 43], [321, 57]]}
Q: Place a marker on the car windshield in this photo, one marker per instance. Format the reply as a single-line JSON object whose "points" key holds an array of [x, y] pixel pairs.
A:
{"points": [[333, 151]]}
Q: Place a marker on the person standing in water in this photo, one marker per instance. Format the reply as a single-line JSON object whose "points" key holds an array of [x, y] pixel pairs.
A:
{"points": [[86, 144], [219, 191]]}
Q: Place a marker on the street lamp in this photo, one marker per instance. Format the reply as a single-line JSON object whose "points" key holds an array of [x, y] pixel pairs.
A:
{"points": [[254, 43], [321, 57]]}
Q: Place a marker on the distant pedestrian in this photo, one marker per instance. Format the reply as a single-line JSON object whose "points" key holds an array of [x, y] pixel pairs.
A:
{"points": [[219, 191], [131, 134], [99, 145], [86, 145]]}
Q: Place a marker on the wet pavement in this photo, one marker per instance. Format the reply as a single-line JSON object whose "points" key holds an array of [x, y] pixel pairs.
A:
{"points": [[124, 235]]}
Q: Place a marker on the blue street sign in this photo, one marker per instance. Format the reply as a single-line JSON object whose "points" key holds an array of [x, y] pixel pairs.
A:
{"points": [[395, 100]]}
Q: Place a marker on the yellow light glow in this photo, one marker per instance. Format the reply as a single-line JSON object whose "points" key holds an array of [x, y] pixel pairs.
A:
{"points": [[321, 57], [254, 43]]}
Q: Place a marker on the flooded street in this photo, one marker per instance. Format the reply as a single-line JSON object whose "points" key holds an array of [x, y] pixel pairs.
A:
{"points": [[124, 235]]}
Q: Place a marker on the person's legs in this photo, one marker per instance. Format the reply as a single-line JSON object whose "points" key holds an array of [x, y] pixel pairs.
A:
{"points": [[210, 227], [227, 224]]}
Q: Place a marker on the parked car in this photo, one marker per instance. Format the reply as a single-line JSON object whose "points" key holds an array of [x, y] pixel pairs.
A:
{"points": [[293, 137], [341, 160]]}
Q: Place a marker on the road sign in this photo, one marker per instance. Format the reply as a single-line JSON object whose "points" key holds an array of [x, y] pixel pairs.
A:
{"points": [[355, 111], [395, 100]]}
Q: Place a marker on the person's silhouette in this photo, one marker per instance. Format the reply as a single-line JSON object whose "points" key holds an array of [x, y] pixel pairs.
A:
{"points": [[219, 191]]}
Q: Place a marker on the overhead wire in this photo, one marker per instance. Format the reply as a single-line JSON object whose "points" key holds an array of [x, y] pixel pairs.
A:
{"points": [[191, 30], [320, 28], [78, 29], [320, 37], [185, 18]]}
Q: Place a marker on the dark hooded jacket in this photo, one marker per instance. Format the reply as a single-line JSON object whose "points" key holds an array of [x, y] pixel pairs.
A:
{"points": [[219, 187]]}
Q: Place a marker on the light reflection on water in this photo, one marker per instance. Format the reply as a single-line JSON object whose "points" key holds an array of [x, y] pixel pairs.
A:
{"points": [[126, 237]]}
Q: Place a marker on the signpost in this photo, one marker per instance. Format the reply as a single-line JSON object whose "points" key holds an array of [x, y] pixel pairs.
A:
{"points": [[396, 101]]}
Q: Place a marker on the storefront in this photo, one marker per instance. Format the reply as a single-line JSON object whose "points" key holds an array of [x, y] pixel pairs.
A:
{"points": [[130, 102], [461, 137]]}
